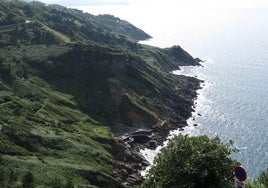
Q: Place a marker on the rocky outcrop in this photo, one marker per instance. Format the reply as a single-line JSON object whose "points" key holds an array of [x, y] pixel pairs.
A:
{"points": [[173, 115], [135, 139], [128, 165]]}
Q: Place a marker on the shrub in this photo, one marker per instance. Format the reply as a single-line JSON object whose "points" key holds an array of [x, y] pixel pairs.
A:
{"points": [[261, 182], [192, 162]]}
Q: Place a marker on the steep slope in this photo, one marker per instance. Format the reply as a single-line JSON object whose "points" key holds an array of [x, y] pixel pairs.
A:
{"points": [[121, 27], [119, 88], [72, 23], [69, 82], [45, 133]]}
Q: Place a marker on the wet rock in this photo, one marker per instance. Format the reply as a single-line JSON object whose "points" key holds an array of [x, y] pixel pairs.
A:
{"points": [[128, 164], [153, 144]]}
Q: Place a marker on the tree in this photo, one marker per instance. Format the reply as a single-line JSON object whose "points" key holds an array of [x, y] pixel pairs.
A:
{"points": [[192, 162]]}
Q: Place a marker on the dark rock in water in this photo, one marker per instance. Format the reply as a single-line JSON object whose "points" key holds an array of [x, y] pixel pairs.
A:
{"points": [[198, 60], [127, 139], [129, 163], [152, 144], [141, 138]]}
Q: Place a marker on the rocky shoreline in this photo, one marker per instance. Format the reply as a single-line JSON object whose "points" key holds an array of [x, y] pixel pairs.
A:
{"points": [[135, 140]]}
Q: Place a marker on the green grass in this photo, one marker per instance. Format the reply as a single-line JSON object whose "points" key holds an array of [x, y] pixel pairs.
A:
{"points": [[61, 37], [75, 147], [137, 103]]}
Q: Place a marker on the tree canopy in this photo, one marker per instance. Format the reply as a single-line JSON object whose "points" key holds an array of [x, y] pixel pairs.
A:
{"points": [[192, 162]]}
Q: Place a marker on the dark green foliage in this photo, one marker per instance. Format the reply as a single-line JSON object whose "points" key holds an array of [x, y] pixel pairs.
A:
{"points": [[2, 177], [28, 180], [263, 178], [261, 182], [56, 183], [69, 184], [192, 162], [121, 27]]}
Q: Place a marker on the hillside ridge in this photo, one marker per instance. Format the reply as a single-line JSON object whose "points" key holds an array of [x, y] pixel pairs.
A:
{"points": [[79, 96]]}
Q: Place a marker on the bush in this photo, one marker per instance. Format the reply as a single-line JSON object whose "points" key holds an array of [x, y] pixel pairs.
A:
{"points": [[261, 182], [192, 162]]}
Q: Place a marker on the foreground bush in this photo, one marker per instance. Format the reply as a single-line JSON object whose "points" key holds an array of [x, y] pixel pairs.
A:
{"points": [[192, 162], [261, 182]]}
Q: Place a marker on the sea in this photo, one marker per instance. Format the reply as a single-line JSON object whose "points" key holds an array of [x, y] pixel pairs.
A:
{"points": [[232, 39]]}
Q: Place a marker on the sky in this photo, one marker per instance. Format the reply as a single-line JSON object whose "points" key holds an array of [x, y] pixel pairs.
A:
{"points": [[71, 3]]}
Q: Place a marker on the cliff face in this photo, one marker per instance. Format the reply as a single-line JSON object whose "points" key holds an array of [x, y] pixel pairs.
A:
{"points": [[69, 84], [119, 89]]}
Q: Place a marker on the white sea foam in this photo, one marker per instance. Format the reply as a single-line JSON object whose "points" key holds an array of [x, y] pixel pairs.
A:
{"points": [[201, 104]]}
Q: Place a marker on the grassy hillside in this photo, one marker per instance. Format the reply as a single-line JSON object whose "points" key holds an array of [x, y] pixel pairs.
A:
{"points": [[69, 24], [69, 81], [44, 132]]}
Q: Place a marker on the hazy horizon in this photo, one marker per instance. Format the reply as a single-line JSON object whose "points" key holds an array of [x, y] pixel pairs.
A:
{"points": [[196, 19], [208, 3], [158, 18]]}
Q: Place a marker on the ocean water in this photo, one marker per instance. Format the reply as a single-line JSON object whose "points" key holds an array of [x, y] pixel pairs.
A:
{"points": [[234, 101], [232, 38]]}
